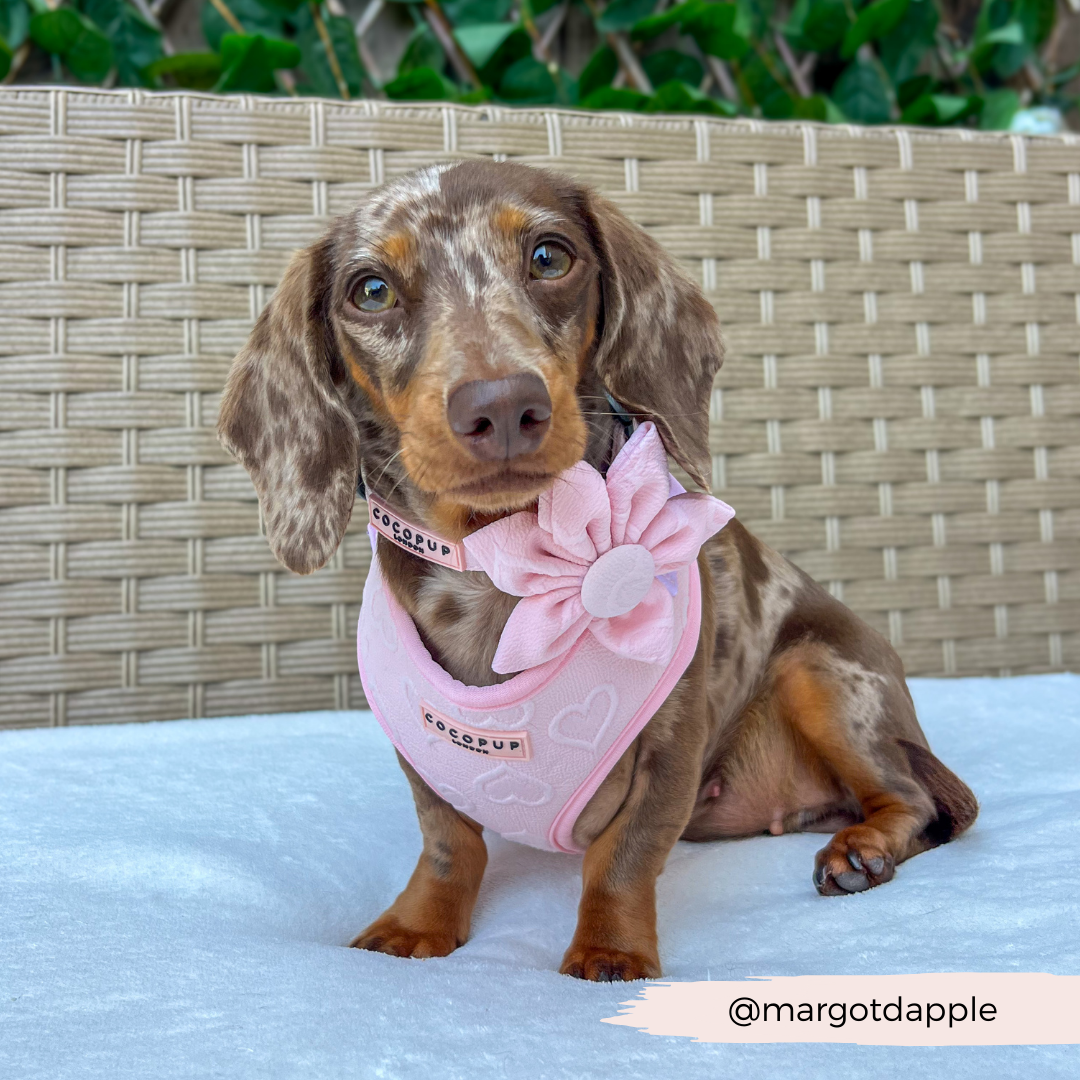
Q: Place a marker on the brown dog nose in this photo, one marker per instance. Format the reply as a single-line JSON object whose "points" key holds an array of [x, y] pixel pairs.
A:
{"points": [[499, 419]]}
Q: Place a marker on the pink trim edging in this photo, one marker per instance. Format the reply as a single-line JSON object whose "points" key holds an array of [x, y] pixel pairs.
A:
{"points": [[560, 834]]}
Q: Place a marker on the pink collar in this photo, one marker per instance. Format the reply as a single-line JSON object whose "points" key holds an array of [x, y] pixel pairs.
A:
{"points": [[420, 541], [597, 556]]}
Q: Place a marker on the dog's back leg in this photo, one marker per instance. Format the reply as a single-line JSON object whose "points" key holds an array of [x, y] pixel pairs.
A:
{"points": [[861, 724], [954, 802]]}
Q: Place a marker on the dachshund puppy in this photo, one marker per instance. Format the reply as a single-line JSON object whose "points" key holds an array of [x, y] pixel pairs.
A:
{"points": [[454, 341]]}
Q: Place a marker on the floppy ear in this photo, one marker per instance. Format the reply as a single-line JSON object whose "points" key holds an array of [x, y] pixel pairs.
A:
{"points": [[660, 344], [283, 417]]}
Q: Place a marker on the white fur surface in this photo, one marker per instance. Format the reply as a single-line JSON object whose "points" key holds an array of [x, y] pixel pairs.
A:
{"points": [[174, 901]]}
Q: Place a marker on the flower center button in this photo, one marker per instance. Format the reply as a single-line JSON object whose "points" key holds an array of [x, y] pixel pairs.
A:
{"points": [[618, 581]]}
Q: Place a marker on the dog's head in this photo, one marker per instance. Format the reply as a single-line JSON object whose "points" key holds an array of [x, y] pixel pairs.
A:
{"points": [[454, 336]]}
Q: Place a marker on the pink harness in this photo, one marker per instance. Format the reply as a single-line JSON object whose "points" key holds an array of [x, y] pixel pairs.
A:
{"points": [[607, 624]]}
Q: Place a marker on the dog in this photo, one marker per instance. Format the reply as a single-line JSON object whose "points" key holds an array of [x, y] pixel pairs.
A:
{"points": [[464, 336]]}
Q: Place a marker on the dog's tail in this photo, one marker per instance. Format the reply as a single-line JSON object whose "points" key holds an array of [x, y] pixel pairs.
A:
{"points": [[954, 801]]}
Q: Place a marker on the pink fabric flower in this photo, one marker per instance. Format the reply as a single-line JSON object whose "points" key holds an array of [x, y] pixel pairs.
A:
{"points": [[594, 558]]}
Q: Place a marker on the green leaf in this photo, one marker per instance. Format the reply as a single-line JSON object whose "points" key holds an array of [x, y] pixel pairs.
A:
{"points": [[1011, 33], [999, 107], [920, 111], [85, 50], [648, 28], [422, 51], [315, 65], [676, 96], [815, 107], [279, 53], [14, 23], [608, 97], [191, 70], [253, 16], [904, 50], [528, 82], [715, 28], [6, 55], [472, 12], [245, 65], [475, 97], [602, 67], [817, 25], [933, 109], [1037, 18], [623, 14], [481, 41], [1007, 34], [56, 31], [754, 18], [669, 64], [758, 82], [910, 89], [1065, 75], [1009, 59], [280, 7], [136, 43], [90, 59], [861, 95], [420, 84], [833, 113], [953, 107], [873, 22], [516, 46]]}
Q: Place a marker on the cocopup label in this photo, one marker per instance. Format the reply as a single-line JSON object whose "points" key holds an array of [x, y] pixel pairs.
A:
{"points": [[496, 744], [412, 538]]}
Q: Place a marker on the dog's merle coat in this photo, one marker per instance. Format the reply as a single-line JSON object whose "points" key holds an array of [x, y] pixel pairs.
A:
{"points": [[793, 715]]}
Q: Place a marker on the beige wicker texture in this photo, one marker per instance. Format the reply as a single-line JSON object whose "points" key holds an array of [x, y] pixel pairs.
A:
{"points": [[899, 410]]}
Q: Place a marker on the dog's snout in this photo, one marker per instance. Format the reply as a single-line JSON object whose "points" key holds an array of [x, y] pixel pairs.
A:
{"points": [[499, 419]]}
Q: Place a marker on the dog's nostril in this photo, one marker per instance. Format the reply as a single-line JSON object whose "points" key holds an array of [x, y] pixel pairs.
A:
{"points": [[500, 418]]}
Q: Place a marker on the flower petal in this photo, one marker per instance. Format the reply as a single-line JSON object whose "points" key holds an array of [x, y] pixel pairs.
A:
{"points": [[676, 534], [519, 557], [576, 513], [638, 485], [539, 629], [646, 633]]}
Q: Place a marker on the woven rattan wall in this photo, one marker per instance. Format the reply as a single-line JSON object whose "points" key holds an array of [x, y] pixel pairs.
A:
{"points": [[898, 412]]}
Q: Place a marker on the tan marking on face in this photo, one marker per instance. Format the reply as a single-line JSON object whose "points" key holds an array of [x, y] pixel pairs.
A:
{"points": [[364, 381], [587, 341], [511, 221], [400, 252]]}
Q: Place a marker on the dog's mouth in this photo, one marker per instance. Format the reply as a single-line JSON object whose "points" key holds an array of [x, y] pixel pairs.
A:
{"points": [[512, 484]]}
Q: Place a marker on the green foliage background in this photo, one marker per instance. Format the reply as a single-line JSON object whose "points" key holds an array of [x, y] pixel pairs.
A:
{"points": [[863, 61]]}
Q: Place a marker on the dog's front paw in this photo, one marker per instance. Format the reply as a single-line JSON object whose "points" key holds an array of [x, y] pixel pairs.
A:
{"points": [[387, 934], [608, 965], [855, 859]]}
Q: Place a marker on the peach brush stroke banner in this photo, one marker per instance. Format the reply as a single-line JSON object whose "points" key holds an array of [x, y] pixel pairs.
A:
{"points": [[935, 1009]]}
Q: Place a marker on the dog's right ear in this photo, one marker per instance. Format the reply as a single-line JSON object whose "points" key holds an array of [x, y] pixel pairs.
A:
{"points": [[284, 418], [659, 345]]}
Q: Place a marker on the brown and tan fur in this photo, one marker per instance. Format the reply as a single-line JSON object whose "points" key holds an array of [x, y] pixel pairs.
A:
{"points": [[793, 714]]}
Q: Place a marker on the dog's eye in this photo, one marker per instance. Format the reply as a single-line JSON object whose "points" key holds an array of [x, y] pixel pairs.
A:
{"points": [[550, 261], [374, 294]]}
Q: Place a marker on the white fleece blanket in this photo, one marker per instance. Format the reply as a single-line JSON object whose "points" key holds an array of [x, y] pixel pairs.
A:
{"points": [[174, 899]]}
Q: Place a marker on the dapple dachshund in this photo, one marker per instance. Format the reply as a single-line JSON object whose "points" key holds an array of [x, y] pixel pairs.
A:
{"points": [[457, 340]]}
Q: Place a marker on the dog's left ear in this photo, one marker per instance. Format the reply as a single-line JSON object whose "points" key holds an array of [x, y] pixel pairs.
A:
{"points": [[283, 416], [659, 342]]}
